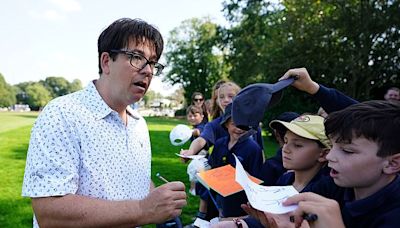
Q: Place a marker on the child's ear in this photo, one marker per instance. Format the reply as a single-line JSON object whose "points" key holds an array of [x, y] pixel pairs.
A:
{"points": [[322, 155], [392, 165]]}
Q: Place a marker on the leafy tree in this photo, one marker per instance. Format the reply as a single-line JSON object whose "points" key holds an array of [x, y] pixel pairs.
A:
{"points": [[57, 86], [20, 91], [7, 93], [194, 58], [75, 86], [37, 96], [350, 45]]}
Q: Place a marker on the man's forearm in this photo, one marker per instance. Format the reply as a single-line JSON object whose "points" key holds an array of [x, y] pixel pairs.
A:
{"points": [[81, 211]]}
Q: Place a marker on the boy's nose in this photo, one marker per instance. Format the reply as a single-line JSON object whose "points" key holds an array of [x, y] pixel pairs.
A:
{"points": [[285, 149]]}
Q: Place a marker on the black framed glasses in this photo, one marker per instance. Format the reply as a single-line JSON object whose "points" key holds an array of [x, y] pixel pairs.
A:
{"points": [[139, 62]]}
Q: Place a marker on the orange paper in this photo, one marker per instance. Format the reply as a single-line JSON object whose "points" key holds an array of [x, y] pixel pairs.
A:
{"points": [[222, 180]]}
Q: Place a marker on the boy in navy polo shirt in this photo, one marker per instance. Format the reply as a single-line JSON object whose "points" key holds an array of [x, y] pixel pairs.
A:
{"points": [[247, 151], [365, 161]]}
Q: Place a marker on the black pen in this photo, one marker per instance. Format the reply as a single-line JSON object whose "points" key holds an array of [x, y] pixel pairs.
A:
{"points": [[308, 217]]}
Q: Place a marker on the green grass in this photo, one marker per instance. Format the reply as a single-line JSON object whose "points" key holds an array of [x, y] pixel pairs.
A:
{"points": [[16, 211]]}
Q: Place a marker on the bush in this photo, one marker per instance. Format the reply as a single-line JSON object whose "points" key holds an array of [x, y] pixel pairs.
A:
{"points": [[180, 112]]}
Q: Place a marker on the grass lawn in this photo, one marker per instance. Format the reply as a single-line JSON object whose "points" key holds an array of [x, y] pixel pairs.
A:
{"points": [[16, 211]]}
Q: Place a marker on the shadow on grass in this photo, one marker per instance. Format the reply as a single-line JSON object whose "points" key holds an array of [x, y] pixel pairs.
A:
{"points": [[28, 116], [15, 213], [163, 120], [19, 152]]}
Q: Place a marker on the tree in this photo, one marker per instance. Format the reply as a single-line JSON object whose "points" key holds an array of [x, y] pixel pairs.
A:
{"points": [[37, 96], [20, 90], [7, 93], [193, 56], [75, 86], [57, 86], [350, 45]]}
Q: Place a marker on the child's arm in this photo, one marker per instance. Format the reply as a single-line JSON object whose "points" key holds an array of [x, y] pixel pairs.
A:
{"points": [[330, 99], [194, 148]]}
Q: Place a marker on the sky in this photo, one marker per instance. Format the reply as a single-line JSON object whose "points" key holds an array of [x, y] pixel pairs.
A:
{"points": [[42, 38]]}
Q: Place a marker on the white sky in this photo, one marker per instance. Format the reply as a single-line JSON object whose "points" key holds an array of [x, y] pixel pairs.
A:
{"points": [[41, 38]]}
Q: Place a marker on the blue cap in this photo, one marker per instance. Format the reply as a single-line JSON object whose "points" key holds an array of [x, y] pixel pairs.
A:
{"points": [[250, 104]]}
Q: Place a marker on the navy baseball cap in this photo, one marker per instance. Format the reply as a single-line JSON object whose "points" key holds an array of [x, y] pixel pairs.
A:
{"points": [[250, 104], [227, 114]]}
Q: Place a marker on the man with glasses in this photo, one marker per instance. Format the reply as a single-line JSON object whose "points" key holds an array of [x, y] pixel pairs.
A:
{"points": [[89, 156]]}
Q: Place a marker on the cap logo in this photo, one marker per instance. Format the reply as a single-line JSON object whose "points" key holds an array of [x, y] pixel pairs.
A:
{"points": [[302, 119]]}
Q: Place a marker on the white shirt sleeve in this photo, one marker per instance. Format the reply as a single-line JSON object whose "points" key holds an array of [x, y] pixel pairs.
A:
{"points": [[52, 162]]}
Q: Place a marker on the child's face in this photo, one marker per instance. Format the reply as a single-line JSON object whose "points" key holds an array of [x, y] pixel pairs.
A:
{"points": [[194, 118], [225, 96], [234, 132], [299, 153], [355, 165]]}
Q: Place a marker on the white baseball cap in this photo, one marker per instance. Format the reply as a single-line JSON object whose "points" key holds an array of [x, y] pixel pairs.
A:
{"points": [[180, 134]]}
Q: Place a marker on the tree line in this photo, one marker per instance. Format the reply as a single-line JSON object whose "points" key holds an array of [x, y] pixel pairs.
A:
{"points": [[351, 45], [36, 94]]}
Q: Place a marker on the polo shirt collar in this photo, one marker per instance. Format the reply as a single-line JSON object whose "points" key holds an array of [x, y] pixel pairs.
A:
{"points": [[95, 102], [376, 200], [99, 107]]}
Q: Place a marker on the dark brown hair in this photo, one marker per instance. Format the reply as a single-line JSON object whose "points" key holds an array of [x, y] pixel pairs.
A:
{"points": [[124, 30], [378, 121], [193, 109]]}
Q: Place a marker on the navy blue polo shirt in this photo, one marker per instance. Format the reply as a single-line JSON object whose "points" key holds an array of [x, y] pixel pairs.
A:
{"points": [[272, 169], [200, 127], [288, 179], [247, 151], [332, 100], [213, 131], [250, 155], [381, 209]]}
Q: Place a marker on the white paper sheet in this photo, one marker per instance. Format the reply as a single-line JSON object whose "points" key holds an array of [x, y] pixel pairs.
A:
{"points": [[264, 198], [197, 156]]}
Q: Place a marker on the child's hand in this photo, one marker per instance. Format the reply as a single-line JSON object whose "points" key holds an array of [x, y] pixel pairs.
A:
{"points": [[186, 152], [328, 210], [196, 132], [303, 80]]}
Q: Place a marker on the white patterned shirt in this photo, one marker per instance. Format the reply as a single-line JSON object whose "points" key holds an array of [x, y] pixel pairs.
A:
{"points": [[79, 145]]}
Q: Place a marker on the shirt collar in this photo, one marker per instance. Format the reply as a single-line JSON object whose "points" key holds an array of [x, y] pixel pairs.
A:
{"points": [[99, 107], [372, 202], [95, 102]]}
